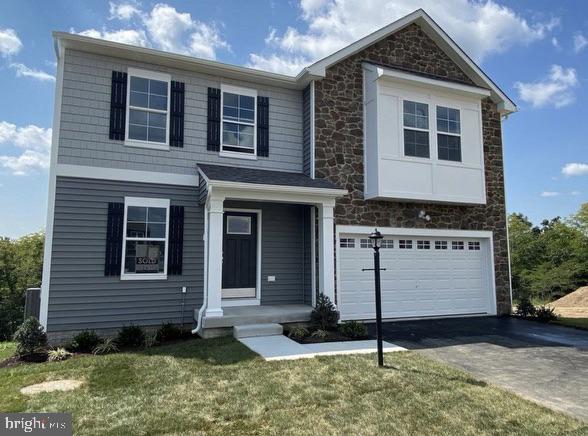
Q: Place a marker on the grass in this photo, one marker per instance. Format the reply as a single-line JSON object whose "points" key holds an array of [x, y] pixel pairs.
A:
{"points": [[218, 386], [7, 349], [579, 323]]}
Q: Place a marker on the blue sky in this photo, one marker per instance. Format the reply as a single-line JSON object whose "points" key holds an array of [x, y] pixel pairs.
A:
{"points": [[537, 52]]}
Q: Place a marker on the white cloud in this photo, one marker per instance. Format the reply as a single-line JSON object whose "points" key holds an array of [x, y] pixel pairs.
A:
{"points": [[10, 43], [481, 28], [163, 27], [124, 10], [575, 169], [555, 43], [550, 194], [34, 144], [580, 42], [555, 90], [24, 71], [279, 64]]}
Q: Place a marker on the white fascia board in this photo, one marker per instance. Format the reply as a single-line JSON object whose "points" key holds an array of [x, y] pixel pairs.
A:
{"points": [[415, 79], [122, 175], [403, 231], [304, 190]]}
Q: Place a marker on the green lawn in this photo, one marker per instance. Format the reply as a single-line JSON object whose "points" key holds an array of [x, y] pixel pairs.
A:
{"points": [[580, 323], [7, 349], [218, 386]]}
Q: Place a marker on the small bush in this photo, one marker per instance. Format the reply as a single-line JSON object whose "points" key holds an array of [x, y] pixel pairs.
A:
{"points": [[168, 332], [320, 334], [85, 341], [108, 346], [324, 315], [353, 329], [131, 336], [545, 314], [298, 332], [58, 354], [30, 337], [525, 308]]}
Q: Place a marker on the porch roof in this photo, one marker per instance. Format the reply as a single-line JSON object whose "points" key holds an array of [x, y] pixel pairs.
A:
{"points": [[249, 176]]}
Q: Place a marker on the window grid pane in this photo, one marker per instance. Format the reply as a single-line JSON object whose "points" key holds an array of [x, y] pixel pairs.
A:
{"points": [[416, 143], [146, 97], [347, 243], [423, 245], [365, 243], [145, 240], [440, 245], [474, 245], [405, 244], [449, 147], [387, 243], [457, 245], [448, 120]]}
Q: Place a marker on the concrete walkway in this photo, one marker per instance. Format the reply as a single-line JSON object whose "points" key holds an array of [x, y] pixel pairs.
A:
{"points": [[280, 347], [544, 363]]}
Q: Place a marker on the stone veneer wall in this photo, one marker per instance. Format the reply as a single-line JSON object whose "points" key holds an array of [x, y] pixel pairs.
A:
{"points": [[339, 149]]}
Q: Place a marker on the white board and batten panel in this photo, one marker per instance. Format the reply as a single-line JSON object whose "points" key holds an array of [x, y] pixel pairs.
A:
{"points": [[392, 175], [426, 275]]}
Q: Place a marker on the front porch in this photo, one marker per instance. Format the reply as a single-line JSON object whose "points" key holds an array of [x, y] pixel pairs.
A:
{"points": [[242, 315]]}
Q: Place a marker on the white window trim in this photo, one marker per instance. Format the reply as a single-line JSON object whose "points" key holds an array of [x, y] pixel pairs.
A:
{"points": [[241, 91], [145, 202], [418, 129], [438, 132], [153, 76]]}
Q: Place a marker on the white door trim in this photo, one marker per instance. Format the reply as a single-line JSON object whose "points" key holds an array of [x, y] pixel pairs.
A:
{"points": [[256, 301], [400, 231]]}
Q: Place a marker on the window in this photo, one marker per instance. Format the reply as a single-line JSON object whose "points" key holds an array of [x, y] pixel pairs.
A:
{"points": [[457, 245], [148, 107], [423, 245], [238, 120], [347, 243], [145, 238], [238, 225], [448, 134], [365, 243], [405, 244], [474, 245], [440, 245], [416, 129], [387, 243]]}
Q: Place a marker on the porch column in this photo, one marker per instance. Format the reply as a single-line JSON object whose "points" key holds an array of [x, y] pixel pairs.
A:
{"points": [[215, 257], [327, 250]]}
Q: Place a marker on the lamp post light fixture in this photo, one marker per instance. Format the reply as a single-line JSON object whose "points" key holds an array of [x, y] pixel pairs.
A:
{"points": [[376, 241]]}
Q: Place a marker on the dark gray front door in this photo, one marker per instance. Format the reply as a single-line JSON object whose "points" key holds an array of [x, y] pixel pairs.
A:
{"points": [[239, 254]]}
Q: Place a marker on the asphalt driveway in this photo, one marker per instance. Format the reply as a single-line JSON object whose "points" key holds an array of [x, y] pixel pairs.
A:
{"points": [[547, 364]]}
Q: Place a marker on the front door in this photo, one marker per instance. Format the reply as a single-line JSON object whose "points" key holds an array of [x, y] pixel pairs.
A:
{"points": [[239, 255]]}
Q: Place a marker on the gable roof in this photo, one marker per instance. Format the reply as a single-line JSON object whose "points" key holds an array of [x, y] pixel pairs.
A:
{"points": [[314, 71], [438, 35]]}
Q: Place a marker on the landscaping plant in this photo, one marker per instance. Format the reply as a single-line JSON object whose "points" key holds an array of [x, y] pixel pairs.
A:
{"points": [[353, 329], [545, 314], [298, 332], [168, 332], [320, 334], [30, 337], [324, 315], [108, 346], [58, 354], [525, 308], [131, 336], [85, 341]]}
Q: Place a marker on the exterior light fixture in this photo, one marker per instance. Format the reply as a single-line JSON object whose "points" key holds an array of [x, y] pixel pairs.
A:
{"points": [[376, 241]]}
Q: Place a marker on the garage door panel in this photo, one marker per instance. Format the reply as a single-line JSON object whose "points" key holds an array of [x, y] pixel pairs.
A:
{"points": [[418, 282]]}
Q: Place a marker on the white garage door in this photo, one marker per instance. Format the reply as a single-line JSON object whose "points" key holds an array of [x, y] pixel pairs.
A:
{"points": [[424, 276]]}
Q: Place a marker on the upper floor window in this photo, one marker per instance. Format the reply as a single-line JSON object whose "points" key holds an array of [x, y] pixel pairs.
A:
{"points": [[148, 108], [448, 134], [238, 120], [416, 129]]}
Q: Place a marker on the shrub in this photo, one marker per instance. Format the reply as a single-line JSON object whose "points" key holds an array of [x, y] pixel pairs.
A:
{"points": [[58, 354], [30, 336], [85, 341], [324, 315], [131, 336], [168, 332], [525, 308], [545, 314], [353, 329], [298, 332], [320, 334], [108, 346]]}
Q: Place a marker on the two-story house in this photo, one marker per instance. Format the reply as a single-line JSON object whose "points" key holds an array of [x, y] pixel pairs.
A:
{"points": [[192, 191]]}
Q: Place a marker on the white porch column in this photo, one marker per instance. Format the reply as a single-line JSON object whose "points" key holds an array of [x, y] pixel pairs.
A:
{"points": [[327, 250], [215, 257]]}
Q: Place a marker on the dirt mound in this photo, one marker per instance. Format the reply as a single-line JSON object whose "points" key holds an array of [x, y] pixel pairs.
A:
{"points": [[574, 305]]}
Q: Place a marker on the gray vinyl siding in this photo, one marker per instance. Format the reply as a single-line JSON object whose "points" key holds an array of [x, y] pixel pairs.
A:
{"points": [[306, 151], [86, 111], [80, 296], [285, 251]]}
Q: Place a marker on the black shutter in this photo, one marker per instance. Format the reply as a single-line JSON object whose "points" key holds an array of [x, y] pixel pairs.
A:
{"points": [[263, 126], [214, 110], [114, 237], [118, 105], [176, 240], [176, 121]]}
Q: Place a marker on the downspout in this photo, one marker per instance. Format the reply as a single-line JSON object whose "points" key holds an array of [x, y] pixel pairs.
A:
{"points": [[198, 327]]}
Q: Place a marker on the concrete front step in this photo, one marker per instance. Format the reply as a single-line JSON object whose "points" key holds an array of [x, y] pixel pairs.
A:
{"points": [[253, 330]]}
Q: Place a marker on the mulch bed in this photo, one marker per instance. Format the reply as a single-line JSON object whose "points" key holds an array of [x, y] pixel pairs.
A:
{"points": [[19, 360], [333, 337]]}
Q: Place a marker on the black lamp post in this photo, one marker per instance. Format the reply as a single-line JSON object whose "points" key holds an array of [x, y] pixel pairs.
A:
{"points": [[376, 241]]}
